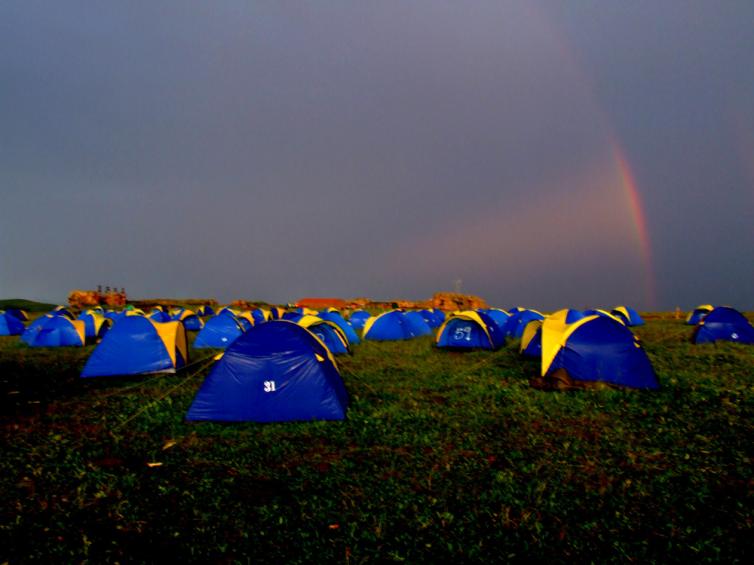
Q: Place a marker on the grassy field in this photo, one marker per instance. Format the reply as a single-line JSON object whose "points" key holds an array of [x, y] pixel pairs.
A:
{"points": [[443, 457]]}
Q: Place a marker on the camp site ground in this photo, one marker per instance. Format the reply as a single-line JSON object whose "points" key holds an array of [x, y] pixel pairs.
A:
{"points": [[443, 456]]}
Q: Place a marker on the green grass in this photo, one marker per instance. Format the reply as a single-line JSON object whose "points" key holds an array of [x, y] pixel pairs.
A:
{"points": [[443, 457]]}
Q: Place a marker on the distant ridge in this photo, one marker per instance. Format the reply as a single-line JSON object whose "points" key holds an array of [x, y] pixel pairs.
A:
{"points": [[28, 305]]}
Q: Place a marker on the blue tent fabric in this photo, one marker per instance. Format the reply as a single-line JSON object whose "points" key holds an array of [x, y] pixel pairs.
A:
{"points": [[60, 311], [633, 319], [39, 322], [434, 318], [604, 350], [697, 316], [417, 324], [258, 316], [329, 336], [275, 372], [461, 332], [133, 347], [346, 328], [595, 312], [10, 324], [206, 311], [498, 316], [390, 326], [17, 313], [52, 331], [292, 316], [193, 323], [516, 323], [90, 327], [724, 324], [160, 316], [359, 318], [245, 324], [219, 332], [573, 316]]}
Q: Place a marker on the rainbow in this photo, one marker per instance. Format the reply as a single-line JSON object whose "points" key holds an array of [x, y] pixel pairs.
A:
{"points": [[639, 218], [626, 177]]}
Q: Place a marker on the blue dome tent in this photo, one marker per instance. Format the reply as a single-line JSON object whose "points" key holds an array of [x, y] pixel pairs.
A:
{"points": [[390, 326], [335, 317], [328, 333], [470, 330], [10, 324], [160, 316], [189, 319], [61, 311], [260, 316], [629, 315], [292, 316], [724, 324], [434, 318], [18, 313], [55, 331], [137, 345], [500, 317], [417, 324], [95, 324], [359, 318], [275, 372], [699, 314], [516, 323], [219, 332], [531, 340], [594, 349], [205, 311]]}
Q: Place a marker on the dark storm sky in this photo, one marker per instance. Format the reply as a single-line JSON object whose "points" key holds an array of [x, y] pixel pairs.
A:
{"points": [[272, 150]]}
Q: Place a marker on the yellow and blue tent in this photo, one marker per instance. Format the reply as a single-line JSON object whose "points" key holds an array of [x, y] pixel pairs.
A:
{"points": [[388, 326], [189, 319], [160, 316], [517, 321], [328, 333], [205, 311], [531, 340], [276, 313], [332, 315], [630, 316], [55, 331], [698, 314], [498, 315], [61, 311], [724, 324], [605, 313], [95, 324], [595, 349], [137, 345], [260, 315], [469, 330], [246, 319]]}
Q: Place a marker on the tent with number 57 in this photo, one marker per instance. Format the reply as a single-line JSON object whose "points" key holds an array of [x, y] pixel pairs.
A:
{"points": [[470, 330]]}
